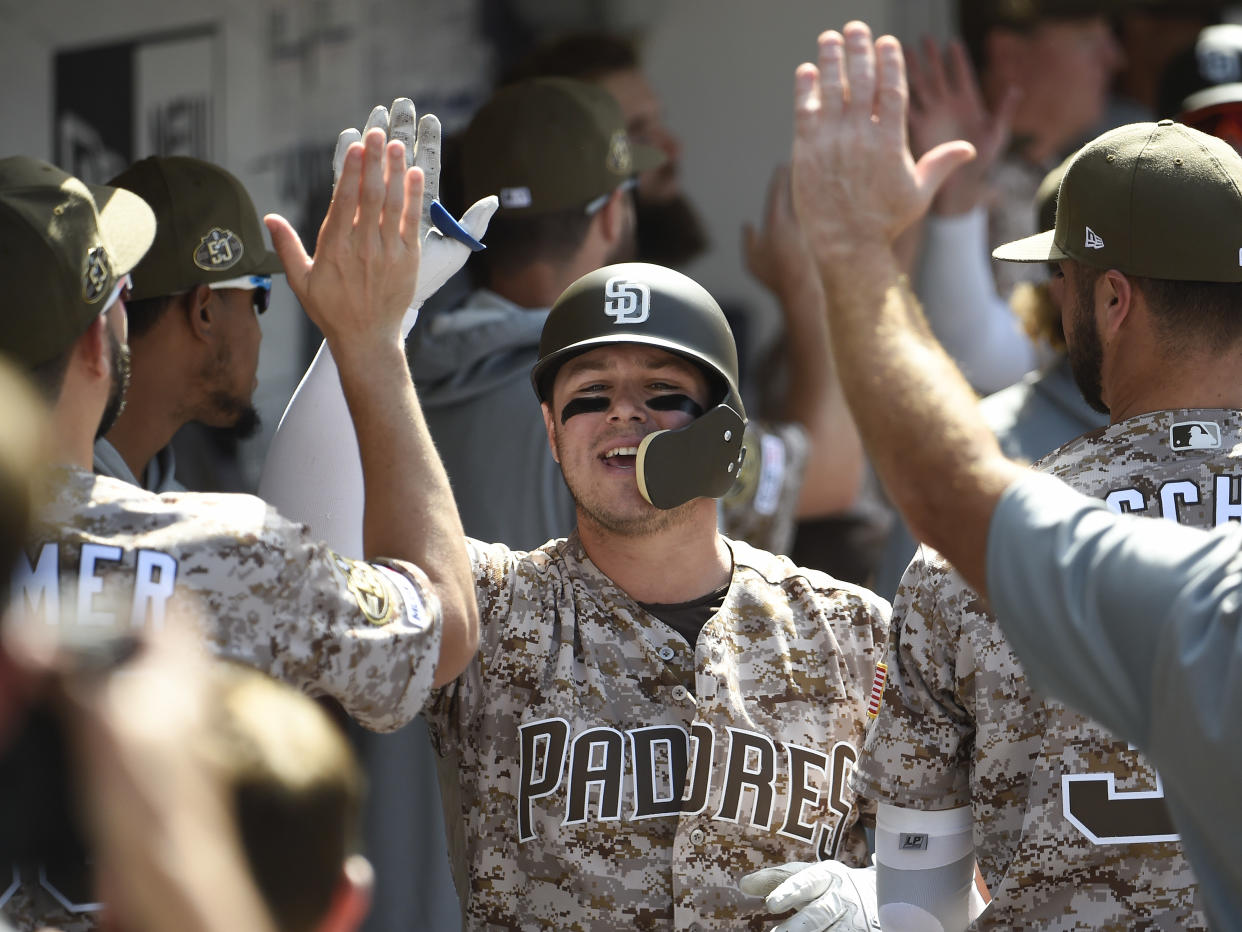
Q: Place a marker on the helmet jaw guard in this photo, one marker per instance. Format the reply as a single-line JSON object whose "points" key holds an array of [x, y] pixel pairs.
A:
{"points": [[701, 459], [654, 306]]}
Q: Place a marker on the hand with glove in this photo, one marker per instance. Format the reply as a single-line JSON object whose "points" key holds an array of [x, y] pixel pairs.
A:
{"points": [[446, 242], [313, 472], [827, 895]]}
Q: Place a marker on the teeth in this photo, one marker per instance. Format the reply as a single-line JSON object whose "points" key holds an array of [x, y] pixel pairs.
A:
{"points": [[621, 451]]}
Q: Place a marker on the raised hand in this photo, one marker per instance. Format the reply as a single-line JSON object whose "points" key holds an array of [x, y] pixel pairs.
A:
{"points": [[776, 253], [447, 243], [855, 182], [365, 270], [946, 104]]}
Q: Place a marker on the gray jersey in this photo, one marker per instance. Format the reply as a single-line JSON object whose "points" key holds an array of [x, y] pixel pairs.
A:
{"points": [[1070, 823], [603, 773]]}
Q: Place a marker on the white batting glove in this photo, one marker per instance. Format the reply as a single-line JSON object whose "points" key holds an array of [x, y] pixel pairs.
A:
{"points": [[446, 242], [827, 894]]}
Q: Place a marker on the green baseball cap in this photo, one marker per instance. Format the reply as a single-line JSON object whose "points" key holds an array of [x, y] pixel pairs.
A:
{"points": [[550, 144], [208, 230], [64, 248], [1160, 200]]}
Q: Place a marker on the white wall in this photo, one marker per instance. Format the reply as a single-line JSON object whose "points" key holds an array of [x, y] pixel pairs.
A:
{"points": [[724, 68]]}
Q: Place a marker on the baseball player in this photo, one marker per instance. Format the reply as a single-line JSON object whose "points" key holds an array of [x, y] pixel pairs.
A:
{"points": [[193, 317], [1135, 623], [106, 557], [654, 710]]}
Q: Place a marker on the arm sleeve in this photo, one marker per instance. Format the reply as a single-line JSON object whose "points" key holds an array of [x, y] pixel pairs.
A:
{"points": [[1089, 600], [974, 324], [313, 471], [921, 707], [925, 869]]}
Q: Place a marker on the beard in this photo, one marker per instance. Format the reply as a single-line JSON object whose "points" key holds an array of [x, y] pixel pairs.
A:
{"points": [[1086, 351], [119, 354], [238, 415], [669, 231], [646, 520]]}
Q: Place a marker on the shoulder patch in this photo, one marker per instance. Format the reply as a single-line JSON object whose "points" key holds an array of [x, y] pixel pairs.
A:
{"points": [[1194, 435]]}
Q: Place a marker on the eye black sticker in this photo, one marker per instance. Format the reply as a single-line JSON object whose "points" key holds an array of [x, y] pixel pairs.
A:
{"points": [[591, 404], [682, 403]]}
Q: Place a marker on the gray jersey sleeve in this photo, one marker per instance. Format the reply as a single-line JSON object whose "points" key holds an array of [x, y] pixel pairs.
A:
{"points": [[1090, 599]]}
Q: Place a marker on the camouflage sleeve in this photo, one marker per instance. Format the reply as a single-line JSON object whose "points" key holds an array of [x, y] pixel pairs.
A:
{"points": [[762, 505], [451, 709], [918, 745], [366, 634]]}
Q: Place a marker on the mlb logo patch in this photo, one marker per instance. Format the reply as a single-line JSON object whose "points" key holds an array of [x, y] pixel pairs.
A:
{"points": [[1195, 435], [877, 690]]}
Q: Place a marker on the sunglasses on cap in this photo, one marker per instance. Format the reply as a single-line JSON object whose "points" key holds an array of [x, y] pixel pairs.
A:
{"points": [[260, 287]]}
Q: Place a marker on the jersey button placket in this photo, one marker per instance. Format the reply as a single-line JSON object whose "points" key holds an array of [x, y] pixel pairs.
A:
{"points": [[679, 693]]}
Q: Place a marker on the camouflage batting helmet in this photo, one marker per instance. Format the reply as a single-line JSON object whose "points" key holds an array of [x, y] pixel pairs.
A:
{"points": [[651, 305]]}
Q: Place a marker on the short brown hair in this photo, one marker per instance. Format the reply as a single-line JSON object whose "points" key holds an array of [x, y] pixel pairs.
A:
{"points": [[297, 789]]}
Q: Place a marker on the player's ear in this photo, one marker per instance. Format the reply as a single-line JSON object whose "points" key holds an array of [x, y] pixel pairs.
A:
{"points": [[549, 424], [199, 311], [1115, 295]]}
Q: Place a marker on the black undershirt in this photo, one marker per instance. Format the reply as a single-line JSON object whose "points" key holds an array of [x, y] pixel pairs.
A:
{"points": [[688, 618]]}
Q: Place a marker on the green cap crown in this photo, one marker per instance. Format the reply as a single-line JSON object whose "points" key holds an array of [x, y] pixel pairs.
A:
{"points": [[550, 144], [64, 245], [1159, 200], [208, 229]]}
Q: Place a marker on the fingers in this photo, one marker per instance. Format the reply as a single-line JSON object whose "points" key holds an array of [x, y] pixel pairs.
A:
{"points": [[340, 218], [802, 887], [832, 87], [371, 193], [427, 158], [394, 190], [937, 164], [860, 71], [891, 93], [475, 220], [288, 246], [347, 138], [807, 103], [411, 227], [936, 83], [377, 120], [763, 882], [962, 76], [401, 120]]}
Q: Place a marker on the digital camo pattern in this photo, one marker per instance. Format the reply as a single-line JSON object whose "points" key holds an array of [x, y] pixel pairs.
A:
{"points": [[608, 775], [104, 557], [959, 724], [763, 504]]}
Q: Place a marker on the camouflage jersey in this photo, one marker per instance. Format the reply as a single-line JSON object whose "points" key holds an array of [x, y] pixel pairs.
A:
{"points": [[1070, 829], [600, 773], [762, 506], [108, 556]]}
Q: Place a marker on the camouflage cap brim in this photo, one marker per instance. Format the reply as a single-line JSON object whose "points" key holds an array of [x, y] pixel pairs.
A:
{"points": [[1038, 248]]}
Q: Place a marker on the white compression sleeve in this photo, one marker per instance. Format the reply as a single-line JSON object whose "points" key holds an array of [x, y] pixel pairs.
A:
{"points": [[925, 869], [974, 323]]}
